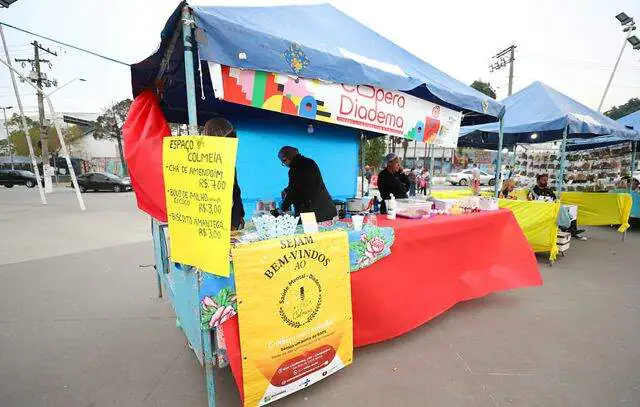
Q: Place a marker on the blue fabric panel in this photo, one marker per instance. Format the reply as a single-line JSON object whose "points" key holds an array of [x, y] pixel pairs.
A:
{"points": [[262, 134]]}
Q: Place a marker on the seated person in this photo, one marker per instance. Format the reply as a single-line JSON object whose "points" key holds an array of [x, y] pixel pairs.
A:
{"points": [[389, 181], [623, 183], [508, 188], [541, 189]]}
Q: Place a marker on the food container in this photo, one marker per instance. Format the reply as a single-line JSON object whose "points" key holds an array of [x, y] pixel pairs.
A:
{"points": [[443, 204], [413, 208], [488, 204], [355, 205]]}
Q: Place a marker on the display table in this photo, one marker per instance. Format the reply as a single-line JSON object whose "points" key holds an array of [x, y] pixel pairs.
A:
{"points": [[434, 264], [635, 206], [539, 222], [597, 209]]}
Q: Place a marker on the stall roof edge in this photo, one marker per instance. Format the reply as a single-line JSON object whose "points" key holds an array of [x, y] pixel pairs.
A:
{"points": [[342, 54], [542, 110]]}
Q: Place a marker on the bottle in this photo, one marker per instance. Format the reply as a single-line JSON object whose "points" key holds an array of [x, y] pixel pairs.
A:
{"points": [[376, 205], [391, 207], [371, 219]]}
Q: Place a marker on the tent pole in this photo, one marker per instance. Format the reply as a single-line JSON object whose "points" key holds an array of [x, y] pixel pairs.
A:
{"points": [[208, 349], [187, 38], [362, 158], [431, 166], [563, 159], [496, 187], [634, 147]]}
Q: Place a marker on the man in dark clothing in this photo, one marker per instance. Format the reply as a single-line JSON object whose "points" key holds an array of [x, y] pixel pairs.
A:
{"points": [[390, 182], [306, 190], [220, 127], [542, 188]]}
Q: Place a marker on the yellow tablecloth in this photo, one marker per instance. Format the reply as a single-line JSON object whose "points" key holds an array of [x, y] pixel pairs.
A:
{"points": [[538, 221], [452, 193], [595, 209]]}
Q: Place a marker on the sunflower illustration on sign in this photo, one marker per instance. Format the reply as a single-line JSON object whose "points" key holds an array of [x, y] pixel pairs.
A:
{"points": [[296, 58]]}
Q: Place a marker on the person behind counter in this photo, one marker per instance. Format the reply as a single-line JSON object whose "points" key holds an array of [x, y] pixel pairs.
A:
{"points": [[221, 127], [541, 189], [507, 188], [306, 190], [391, 181]]}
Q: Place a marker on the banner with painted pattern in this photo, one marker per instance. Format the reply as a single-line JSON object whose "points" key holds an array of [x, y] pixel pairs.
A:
{"points": [[294, 310], [363, 107]]}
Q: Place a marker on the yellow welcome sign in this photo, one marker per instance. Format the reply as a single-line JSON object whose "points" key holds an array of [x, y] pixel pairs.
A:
{"points": [[198, 179], [294, 309]]}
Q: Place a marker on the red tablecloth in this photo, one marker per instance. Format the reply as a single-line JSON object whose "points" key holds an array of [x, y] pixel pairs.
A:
{"points": [[435, 263]]}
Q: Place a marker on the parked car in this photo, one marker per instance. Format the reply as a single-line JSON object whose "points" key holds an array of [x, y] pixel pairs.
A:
{"points": [[9, 178], [103, 181], [464, 178]]}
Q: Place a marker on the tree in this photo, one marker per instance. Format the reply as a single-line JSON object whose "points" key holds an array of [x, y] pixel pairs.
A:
{"points": [[374, 150], [109, 125], [405, 146], [19, 141], [484, 87], [617, 112]]}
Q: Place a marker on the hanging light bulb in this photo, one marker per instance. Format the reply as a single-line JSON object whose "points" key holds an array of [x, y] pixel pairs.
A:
{"points": [[310, 129]]}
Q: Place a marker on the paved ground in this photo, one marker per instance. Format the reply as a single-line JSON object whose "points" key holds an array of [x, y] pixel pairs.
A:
{"points": [[80, 326]]}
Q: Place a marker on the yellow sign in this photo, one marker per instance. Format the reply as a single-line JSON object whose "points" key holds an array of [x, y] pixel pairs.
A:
{"points": [[198, 179], [294, 308]]}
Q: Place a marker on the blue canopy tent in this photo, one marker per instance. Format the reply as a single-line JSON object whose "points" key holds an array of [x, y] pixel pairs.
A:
{"points": [[338, 49], [335, 47], [539, 114], [630, 121]]}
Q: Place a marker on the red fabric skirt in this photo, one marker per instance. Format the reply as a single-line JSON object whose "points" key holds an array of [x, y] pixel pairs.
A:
{"points": [[435, 263]]}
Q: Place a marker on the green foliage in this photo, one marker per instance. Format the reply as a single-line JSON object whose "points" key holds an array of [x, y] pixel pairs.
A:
{"points": [[374, 151], [109, 125], [617, 112], [484, 87], [19, 141]]}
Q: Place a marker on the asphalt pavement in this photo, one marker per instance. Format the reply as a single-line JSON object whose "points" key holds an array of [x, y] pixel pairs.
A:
{"points": [[81, 325]]}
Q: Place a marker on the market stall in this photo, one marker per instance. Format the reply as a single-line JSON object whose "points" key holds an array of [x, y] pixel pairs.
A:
{"points": [[540, 114], [211, 64]]}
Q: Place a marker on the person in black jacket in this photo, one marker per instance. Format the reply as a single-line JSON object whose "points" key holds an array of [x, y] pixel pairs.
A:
{"points": [[221, 127], [391, 180], [306, 190]]}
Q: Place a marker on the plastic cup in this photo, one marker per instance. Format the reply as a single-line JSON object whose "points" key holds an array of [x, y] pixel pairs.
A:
{"points": [[357, 221]]}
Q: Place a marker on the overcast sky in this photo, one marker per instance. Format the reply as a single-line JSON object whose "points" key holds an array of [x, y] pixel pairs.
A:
{"points": [[570, 45]]}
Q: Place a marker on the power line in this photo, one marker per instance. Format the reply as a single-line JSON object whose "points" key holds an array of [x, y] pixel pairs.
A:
{"points": [[65, 44]]}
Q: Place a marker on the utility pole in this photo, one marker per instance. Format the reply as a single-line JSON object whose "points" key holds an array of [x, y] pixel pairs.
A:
{"points": [[41, 81], [502, 58], [6, 126]]}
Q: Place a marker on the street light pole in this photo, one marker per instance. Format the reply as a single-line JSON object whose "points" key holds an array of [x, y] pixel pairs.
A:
{"points": [[629, 26], [60, 87], [6, 126]]}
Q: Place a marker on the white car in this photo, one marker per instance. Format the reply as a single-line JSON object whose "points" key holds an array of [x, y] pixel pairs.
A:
{"points": [[464, 178]]}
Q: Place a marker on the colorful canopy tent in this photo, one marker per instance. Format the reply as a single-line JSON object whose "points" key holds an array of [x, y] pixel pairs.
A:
{"points": [[334, 46], [261, 38], [630, 121], [317, 42], [539, 114]]}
